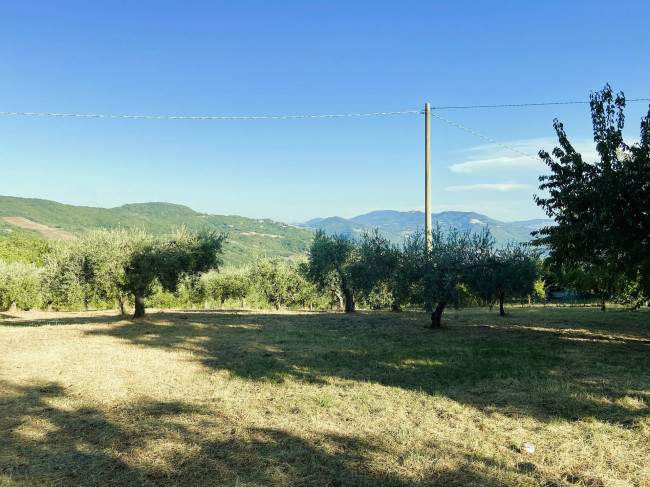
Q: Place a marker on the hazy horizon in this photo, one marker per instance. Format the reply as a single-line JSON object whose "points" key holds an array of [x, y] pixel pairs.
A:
{"points": [[283, 221]]}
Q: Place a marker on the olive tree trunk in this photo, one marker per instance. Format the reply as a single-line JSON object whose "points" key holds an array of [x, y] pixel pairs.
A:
{"points": [[502, 297], [139, 306], [120, 303], [349, 296], [436, 316], [338, 296], [349, 301]]}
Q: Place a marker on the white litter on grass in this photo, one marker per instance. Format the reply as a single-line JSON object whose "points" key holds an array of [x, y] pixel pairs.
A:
{"points": [[527, 448]]}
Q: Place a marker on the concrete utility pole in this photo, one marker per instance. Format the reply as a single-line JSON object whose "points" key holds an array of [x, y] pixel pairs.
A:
{"points": [[427, 175]]}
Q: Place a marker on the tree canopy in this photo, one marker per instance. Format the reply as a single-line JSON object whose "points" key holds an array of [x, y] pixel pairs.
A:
{"points": [[108, 265], [602, 209], [167, 260], [493, 273], [332, 260]]}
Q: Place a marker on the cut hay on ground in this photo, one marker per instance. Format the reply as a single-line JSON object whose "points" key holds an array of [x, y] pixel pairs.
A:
{"points": [[316, 399]]}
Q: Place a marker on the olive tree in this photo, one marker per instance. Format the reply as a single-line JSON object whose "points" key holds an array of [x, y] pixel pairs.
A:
{"points": [[26, 247], [92, 269], [106, 253], [108, 265], [445, 269], [63, 278], [20, 285], [281, 283], [221, 286], [494, 273], [167, 260], [332, 261], [408, 283], [434, 275], [373, 272]]}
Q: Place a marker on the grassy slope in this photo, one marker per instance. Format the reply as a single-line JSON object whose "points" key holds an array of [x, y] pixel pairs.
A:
{"points": [[250, 398], [248, 238]]}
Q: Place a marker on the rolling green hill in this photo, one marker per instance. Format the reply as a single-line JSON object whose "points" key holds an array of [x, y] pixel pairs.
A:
{"points": [[247, 238]]}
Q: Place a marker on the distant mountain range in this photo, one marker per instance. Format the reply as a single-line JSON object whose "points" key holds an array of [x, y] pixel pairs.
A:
{"points": [[247, 238], [395, 225]]}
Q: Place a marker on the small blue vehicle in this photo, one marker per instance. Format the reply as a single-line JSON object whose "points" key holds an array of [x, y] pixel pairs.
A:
{"points": [[557, 292]]}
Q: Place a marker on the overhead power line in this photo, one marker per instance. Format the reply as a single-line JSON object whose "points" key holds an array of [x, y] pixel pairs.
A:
{"points": [[169, 117], [275, 117], [482, 136], [341, 115], [511, 105]]}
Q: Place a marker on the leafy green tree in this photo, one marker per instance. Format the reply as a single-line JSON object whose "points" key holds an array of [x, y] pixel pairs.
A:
{"points": [[20, 285], [445, 269], [493, 274], [26, 247], [105, 254], [601, 208], [63, 283], [600, 280], [90, 270], [306, 294], [222, 286], [435, 275], [168, 260], [629, 294], [280, 283], [105, 266], [538, 294], [408, 282], [373, 272], [332, 261]]}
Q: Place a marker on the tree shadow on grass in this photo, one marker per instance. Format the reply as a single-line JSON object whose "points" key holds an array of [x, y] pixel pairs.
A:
{"points": [[60, 319], [540, 369], [174, 443], [43, 443]]}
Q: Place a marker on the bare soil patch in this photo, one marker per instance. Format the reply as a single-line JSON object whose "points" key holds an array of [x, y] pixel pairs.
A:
{"points": [[42, 229]]}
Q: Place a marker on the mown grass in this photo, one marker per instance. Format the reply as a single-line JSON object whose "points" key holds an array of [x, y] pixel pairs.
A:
{"points": [[255, 398]]}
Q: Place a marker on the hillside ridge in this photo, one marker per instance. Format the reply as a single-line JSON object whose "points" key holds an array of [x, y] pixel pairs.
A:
{"points": [[248, 239]]}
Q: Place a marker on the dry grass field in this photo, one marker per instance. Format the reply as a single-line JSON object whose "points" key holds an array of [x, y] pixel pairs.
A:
{"points": [[325, 399]]}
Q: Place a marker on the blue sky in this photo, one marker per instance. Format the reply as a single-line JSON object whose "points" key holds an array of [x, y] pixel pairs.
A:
{"points": [[294, 58]]}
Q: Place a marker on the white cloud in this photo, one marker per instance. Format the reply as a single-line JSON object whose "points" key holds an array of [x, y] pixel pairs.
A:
{"points": [[489, 157], [529, 146], [495, 186], [493, 163]]}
